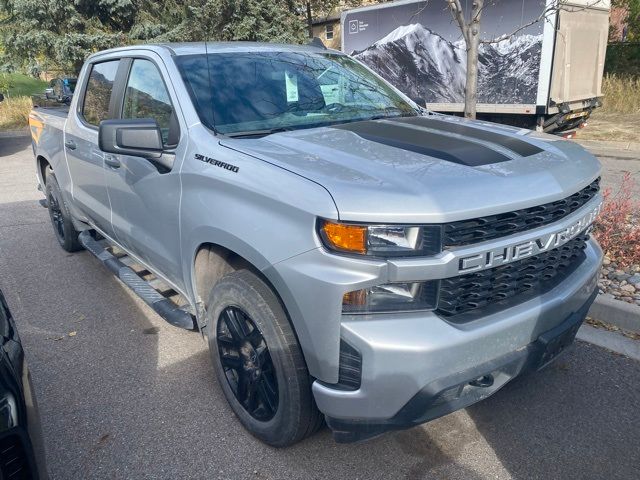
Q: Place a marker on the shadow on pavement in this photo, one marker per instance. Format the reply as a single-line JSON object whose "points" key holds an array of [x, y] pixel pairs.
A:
{"points": [[11, 145], [577, 419]]}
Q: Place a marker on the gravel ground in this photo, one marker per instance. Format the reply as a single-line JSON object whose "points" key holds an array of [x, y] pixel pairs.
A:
{"points": [[622, 283], [129, 396]]}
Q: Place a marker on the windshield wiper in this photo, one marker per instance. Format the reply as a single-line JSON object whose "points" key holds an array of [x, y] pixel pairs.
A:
{"points": [[257, 133], [381, 117]]}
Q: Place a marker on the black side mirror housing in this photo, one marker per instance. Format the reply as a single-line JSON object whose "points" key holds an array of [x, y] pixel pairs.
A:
{"points": [[139, 137]]}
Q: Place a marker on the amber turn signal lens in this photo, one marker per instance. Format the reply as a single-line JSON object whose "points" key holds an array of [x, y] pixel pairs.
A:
{"points": [[349, 238], [357, 298]]}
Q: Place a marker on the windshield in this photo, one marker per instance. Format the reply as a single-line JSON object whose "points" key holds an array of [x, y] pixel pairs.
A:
{"points": [[261, 92], [71, 83]]}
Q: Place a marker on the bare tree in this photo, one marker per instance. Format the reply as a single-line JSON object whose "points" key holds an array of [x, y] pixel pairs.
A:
{"points": [[469, 24], [470, 29]]}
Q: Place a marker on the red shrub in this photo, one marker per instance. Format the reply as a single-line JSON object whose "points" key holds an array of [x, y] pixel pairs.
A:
{"points": [[618, 226]]}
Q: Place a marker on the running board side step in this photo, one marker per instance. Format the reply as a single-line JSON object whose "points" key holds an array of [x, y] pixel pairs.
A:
{"points": [[164, 307]]}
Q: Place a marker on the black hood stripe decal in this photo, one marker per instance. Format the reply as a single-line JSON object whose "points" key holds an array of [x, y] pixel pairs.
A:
{"points": [[521, 147], [435, 145]]}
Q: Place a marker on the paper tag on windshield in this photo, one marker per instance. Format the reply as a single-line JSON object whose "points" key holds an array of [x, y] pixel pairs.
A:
{"points": [[292, 87]]}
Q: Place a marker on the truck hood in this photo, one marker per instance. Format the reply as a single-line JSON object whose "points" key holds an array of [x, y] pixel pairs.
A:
{"points": [[429, 169]]}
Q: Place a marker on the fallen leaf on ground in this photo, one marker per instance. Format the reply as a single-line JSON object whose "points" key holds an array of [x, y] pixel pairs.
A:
{"points": [[73, 334], [600, 324]]}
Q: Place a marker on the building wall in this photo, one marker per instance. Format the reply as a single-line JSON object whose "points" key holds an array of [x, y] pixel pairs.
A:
{"points": [[320, 31], [618, 23], [333, 18]]}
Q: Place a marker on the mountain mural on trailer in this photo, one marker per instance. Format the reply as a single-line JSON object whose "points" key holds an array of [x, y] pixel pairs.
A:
{"points": [[430, 69]]}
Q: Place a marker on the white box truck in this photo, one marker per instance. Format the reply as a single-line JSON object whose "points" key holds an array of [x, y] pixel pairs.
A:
{"points": [[546, 76]]}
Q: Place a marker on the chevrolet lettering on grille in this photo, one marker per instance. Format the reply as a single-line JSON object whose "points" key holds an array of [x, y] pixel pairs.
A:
{"points": [[511, 253]]}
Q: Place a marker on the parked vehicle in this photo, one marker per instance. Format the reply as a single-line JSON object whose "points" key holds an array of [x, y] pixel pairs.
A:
{"points": [[345, 252], [547, 75], [61, 89], [21, 447]]}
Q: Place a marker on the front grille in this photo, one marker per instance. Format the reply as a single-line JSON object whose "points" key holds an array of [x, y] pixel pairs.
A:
{"points": [[466, 232], [507, 285]]}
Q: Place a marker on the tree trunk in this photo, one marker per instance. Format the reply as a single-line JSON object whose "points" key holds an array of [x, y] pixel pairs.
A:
{"points": [[309, 20], [471, 87], [473, 46]]}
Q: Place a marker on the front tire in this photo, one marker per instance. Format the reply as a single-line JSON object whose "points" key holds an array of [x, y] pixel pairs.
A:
{"points": [[258, 361], [60, 216]]}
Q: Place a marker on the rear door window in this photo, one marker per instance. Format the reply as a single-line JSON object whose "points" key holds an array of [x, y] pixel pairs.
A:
{"points": [[95, 107]]}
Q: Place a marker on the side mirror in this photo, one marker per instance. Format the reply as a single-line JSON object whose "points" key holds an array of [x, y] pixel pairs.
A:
{"points": [[139, 137]]}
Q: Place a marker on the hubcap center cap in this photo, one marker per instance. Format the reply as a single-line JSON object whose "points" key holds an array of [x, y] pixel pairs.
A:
{"points": [[250, 359]]}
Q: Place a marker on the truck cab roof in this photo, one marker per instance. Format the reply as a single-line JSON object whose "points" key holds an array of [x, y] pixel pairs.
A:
{"points": [[199, 48]]}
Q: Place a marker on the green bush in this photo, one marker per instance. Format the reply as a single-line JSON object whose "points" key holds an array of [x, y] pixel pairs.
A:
{"points": [[623, 59]]}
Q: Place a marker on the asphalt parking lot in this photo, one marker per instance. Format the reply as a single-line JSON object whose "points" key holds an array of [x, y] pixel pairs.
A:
{"points": [[129, 396]]}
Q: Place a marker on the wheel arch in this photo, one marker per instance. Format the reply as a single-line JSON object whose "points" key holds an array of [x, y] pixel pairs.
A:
{"points": [[212, 260], [42, 162]]}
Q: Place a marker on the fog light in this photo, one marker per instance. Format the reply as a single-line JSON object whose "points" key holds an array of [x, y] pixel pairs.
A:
{"points": [[392, 297]]}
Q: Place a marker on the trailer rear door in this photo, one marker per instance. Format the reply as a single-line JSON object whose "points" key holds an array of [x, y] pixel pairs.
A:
{"points": [[578, 64]]}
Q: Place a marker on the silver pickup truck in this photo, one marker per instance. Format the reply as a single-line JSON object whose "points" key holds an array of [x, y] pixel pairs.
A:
{"points": [[349, 256]]}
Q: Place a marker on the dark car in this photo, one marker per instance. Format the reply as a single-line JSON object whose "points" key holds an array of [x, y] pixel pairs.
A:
{"points": [[61, 89], [21, 448]]}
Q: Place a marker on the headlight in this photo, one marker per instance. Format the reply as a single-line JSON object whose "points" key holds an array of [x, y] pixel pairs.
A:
{"points": [[381, 240], [396, 297]]}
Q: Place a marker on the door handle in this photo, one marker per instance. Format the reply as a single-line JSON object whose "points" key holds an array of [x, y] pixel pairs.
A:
{"points": [[70, 144], [112, 161]]}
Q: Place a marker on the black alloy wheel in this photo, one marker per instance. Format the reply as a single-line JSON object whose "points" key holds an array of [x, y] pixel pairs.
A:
{"points": [[61, 219], [57, 219], [247, 364]]}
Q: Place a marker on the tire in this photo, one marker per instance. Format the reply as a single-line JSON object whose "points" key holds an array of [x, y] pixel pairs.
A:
{"points": [[60, 216], [241, 298]]}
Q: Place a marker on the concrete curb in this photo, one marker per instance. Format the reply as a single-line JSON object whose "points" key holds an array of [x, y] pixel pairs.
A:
{"points": [[614, 341], [629, 146], [603, 148], [616, 312], [20, 132]]}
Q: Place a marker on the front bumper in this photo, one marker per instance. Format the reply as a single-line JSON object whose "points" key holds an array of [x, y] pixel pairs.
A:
{"points": [[417, 367]]}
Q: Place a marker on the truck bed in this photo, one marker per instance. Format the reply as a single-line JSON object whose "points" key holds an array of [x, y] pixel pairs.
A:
{"points": [[46, 125], [61, 111]]}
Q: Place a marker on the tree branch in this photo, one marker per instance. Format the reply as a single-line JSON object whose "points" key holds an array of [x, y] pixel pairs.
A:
{"points": [[458, 16]]}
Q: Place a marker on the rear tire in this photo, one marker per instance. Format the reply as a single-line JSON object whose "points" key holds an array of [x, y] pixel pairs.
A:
{"points": [[60, 216], [254, 350]]}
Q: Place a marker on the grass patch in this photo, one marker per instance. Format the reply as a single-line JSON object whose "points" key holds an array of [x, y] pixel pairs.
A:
{"points": [[621, 94], [617, 127], [14, 112], [619, 117], [23, 85]]}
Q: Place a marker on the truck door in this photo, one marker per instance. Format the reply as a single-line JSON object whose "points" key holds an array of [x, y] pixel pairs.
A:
{"points": [[84, 158], [145, 194]]}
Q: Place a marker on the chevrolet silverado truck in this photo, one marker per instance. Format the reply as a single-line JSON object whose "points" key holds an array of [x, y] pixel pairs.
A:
{"points": [[349, 256]]}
